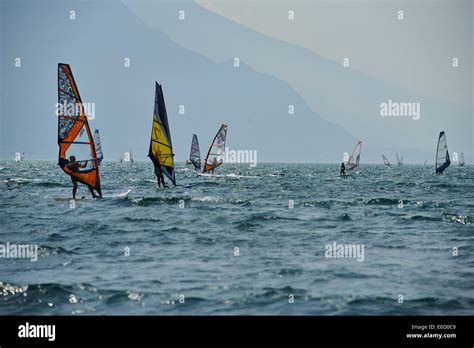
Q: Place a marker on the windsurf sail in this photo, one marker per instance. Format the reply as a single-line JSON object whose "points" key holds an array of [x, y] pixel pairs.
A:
{"points": [[386, 161], [442, 154], [215, 155], [195, 155], [74, 135], [353, 161], [98, 146], [126, 157], [161, 149], [461, 159], [399, 160]]}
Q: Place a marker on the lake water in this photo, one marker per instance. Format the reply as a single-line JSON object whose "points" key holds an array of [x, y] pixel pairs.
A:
{"points": [[245, 241]]}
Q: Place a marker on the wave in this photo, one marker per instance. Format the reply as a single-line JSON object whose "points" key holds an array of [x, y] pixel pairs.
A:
{"points": [[147, 201], [138, 219], [34, 182], [457, 218], [231, 176], [384, 201], [259, 219], [207, 199], [422, 218]]}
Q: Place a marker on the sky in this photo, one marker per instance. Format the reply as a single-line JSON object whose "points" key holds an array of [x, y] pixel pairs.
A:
{"points": [[371, 35]]}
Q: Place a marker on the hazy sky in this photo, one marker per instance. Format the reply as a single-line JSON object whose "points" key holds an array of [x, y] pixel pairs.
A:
{"points": [[368, 32]]}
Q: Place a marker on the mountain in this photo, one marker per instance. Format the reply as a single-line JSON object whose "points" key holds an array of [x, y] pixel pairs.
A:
{"points": [[95, 44], [341, 95]]}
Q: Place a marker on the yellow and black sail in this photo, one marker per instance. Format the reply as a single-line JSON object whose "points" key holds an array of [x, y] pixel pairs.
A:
{"points": [[161, 148], [74, 135]]}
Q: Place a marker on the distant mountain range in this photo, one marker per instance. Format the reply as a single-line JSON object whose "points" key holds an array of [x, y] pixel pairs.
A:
{"points": [[95, 44], [253, 99], [341, 95]]}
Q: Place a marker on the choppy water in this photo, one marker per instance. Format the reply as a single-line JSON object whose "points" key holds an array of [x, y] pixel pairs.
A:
{"points": [[82, 267]]}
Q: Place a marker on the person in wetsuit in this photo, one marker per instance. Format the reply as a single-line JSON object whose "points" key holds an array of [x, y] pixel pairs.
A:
{"points": [[159, 176], [214, 165], [75, 166]]}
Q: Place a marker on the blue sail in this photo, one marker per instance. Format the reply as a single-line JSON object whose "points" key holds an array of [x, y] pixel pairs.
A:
{"points": [[442, 154]]}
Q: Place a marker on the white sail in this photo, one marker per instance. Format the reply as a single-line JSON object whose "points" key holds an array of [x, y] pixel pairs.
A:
{"points": [[353, 161], [215, 155], [399, 160], [98, 146], [461, 159]]}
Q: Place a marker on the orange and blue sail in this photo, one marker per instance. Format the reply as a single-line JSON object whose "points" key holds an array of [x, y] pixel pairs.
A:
{"points": [[74, 135]]}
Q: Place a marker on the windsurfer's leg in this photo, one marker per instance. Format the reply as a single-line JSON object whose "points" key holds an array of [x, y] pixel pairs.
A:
{"points": [[92, 192], [74, 188]]}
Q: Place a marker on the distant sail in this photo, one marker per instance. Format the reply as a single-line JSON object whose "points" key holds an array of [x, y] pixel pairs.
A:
{"points": [[161, 149], [353, 161], [386, 161], [442, 154], [215, 155], [98, 146], [461, 159], [195, 155], [74, 135], [399, 161], [127, 157]]}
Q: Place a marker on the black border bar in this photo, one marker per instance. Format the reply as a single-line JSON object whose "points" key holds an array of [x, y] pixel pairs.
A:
{"points": [[140, 330]]}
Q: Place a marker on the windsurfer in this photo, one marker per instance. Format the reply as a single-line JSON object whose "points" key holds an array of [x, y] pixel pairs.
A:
{"points": [[342, 169], [159, 176], [214, 165], [75, 167]]}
